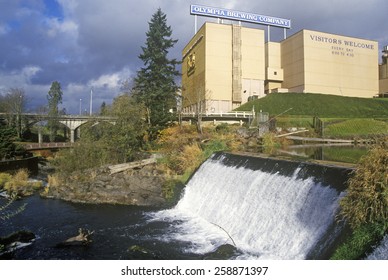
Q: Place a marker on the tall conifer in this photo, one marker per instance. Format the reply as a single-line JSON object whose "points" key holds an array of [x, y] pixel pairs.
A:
{"points": [[155, 82], [54, 97]]}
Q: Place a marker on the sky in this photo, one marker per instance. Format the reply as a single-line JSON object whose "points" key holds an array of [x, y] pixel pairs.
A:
{"points": [[95, 44]]}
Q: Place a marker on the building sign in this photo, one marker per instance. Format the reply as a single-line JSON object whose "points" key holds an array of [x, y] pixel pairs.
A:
{"points": [[239, 16], [342, 46]]}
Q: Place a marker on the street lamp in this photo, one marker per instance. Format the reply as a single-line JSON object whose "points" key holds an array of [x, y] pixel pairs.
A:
{"points": [[80, 106]]}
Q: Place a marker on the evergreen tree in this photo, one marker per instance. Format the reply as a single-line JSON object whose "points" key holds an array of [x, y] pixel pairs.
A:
{"points": [[54, 98], [155, 82], [7, 137], [103, 109]]}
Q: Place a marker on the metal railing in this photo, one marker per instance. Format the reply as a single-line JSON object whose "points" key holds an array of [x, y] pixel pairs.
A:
{"points": [[236, 114]]}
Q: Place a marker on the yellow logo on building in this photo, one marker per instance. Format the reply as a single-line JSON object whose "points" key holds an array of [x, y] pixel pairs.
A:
{"points": [[190, 64]]}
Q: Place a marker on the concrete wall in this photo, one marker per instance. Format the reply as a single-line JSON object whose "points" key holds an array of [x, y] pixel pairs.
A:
{"points": [[273, 63], [31, 164], [383, 74], [326, 63], [213, 78]]}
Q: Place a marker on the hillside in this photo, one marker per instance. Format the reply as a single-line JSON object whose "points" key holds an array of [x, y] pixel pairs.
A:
{"points": [[321, 105]]}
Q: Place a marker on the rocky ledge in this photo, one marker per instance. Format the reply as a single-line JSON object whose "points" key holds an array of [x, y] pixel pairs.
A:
{"points": [[139, 184]]}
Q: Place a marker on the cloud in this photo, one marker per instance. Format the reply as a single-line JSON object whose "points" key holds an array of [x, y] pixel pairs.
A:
{"points": [[61, 28], [96, 43], [16, 78]]}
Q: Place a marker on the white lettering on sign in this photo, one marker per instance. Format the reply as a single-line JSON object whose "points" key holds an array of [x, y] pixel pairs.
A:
{"points": [[240, 16]]}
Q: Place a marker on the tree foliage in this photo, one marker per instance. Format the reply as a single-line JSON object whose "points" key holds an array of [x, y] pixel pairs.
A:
{"points": [[54, 97], [105, 142], [367, 198], [155, 83], [7, 137]]}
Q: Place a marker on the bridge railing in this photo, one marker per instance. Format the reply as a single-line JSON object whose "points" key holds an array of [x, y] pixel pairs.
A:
{"points": [[53, 145], [236, 114]]}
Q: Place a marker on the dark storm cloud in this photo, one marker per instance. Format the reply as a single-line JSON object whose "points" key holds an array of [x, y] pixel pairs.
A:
{"points": [[95, 44]]}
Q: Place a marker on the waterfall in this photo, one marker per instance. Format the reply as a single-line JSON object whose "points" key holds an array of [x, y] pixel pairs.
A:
{"points": [[269, 209]]}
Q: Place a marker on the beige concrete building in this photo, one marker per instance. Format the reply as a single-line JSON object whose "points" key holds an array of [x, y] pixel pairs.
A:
{"points": [[222, 64], [383, 73], [226, 65]]}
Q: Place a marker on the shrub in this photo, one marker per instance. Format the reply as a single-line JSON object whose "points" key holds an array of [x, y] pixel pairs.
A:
{"points": [[20, 185], [367, 197], [360, 242], [213, 146], [4, 178], [189, 159]]}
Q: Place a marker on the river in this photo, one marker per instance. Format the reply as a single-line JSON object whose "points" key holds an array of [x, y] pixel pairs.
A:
{"points": [[268, 209], [116, 229]]}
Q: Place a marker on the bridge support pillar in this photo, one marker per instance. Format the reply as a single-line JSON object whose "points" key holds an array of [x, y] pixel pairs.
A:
{"points": [[40, 137], [72, 140]]}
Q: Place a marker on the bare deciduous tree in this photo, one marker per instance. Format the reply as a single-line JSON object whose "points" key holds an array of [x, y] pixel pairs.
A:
{"points": [[13, 104]]}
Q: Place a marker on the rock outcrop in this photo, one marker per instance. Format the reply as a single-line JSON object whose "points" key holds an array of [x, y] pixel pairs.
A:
{"points": [[140, 185]]}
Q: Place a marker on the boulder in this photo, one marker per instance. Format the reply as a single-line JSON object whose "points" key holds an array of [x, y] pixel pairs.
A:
{"points": [[223, 252], [16, 241], [141, 185]]}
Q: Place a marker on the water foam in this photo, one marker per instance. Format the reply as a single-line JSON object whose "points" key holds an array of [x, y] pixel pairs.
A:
{"points": [[266, 215]]}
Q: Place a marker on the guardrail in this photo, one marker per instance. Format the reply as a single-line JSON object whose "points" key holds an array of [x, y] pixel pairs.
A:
{"points": [[38, 146], [236, 114]]}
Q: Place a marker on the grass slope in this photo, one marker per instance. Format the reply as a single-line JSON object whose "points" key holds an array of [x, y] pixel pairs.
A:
{"points": [[321, 105]]}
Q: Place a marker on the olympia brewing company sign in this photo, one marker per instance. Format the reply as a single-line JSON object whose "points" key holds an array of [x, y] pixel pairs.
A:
{"points": [[240, 16]]}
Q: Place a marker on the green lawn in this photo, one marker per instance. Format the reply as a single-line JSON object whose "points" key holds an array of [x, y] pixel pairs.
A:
{"points": [[320, 105], [356, 128]]}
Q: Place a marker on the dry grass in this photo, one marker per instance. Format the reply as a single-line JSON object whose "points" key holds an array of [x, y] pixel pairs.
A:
{"points": [[190, 158], [4, 178], [20, 184]]}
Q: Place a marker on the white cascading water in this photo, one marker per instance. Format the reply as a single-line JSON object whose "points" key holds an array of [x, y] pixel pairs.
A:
{"points": [[381, 251], [267, 216]]}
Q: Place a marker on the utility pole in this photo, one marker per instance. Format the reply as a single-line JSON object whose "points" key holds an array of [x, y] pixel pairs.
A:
{"points": [[91, 101]]}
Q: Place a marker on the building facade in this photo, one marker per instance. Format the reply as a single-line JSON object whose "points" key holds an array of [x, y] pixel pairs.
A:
{"points": [[227, 65], [383, 73]]}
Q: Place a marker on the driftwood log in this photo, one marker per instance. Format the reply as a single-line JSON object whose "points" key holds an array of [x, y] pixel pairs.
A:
{"points": [[130, 165], [83, 238]]}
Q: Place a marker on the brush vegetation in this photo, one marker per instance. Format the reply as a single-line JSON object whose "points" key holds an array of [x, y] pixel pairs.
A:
{"points": [[19, 183], [367, 197], [365, 207], [184, 149]]}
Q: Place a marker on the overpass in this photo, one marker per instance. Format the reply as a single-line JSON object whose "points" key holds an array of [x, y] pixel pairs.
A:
{"points": [[72, 122]]}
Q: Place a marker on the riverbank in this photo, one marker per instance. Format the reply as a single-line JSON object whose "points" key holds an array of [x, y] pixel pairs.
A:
{"points": [[141, 185]]}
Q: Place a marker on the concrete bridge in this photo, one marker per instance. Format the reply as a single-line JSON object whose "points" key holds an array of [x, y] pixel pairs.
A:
{"points": [[72, 122]]}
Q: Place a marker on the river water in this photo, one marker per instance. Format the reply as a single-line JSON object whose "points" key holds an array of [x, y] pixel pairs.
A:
{"points": [[266, 208], [116, 229]]}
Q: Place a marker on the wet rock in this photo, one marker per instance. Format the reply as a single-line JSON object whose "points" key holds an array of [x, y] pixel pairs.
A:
{"points": [[224, 252], [137, 252], [16, 241], [141, 186]]}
